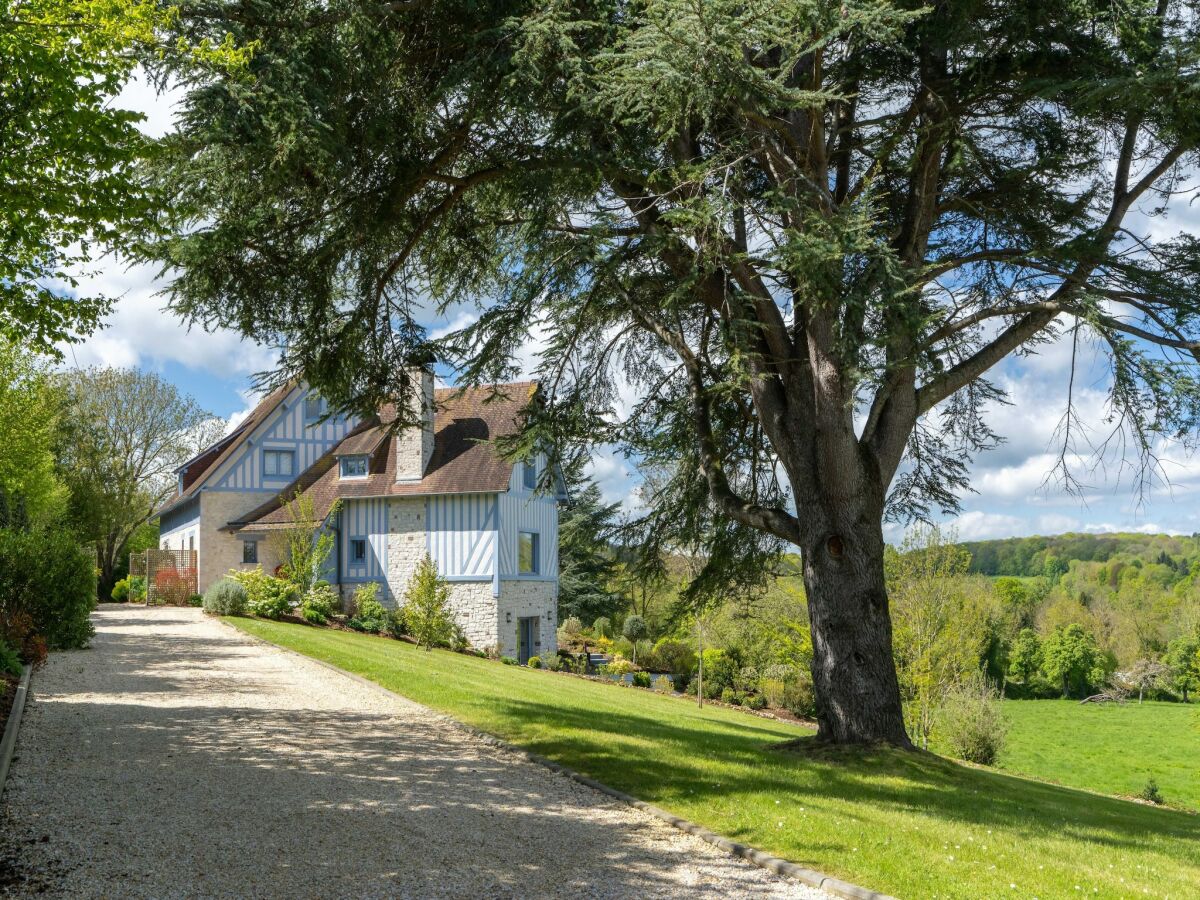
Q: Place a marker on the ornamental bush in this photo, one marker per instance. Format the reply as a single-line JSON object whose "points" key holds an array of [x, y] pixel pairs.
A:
{"points": [[225, 598], [672, 655], [602, 627], [571, 626], [619, 666], [641, 679], [120, 590], [320, 603], [369, 614], [535, 662], [266, 595]]}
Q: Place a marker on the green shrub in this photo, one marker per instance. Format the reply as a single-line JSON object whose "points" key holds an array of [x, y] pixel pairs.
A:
{"points": [[571, 626], [120, 590], [137, 588], [49, 576], [970, 723], [641, 679], [320, 603], [395, 625], [535, 662], [554, 663], [1150, 792], [266, 595], [774, 681], [195, 600], [756, 701], [225, 598], [619, 666], [720, 668], [366, 602], [747, 679], [729, 695], [602, 627], [798, 697], [682, 681], [673, 655], [10, 660], [509, 661], [665, 684]]}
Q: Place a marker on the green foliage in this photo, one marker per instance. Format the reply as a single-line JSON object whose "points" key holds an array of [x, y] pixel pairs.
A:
{"points": [[226, 597], [10, 661], [509, 661], [641, 679], [320, 603], [602, 627], [1183, 660], [124, 432], [120, 591], [305, 545], [1150, 792], [571, 626], [426, 607], [664, 684], [672, 655], [619, 665], [756, 701], [534, 662], [266, 595], [1071, 658], [369, 614], [30, 408], [586, 564], [47, 575], [941, 622], [720, 669], [1026, 655], [635, 628], [971, 723]]}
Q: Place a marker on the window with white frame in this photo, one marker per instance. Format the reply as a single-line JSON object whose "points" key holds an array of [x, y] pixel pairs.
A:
{"points": [[354, 466], [250, 552], [529, 475], [358, 551], [279, 463], [527, 553]]}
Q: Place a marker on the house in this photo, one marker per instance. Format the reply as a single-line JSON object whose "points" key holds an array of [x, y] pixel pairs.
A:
{"points": [[390, 498]]}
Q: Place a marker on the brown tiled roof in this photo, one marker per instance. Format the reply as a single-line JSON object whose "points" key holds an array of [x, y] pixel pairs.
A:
{"points": [[205, 464], [462, 463]]}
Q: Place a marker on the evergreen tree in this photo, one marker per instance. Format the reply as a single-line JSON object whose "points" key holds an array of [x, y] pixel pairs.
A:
{"points": [[585, 558], [803, 233]]}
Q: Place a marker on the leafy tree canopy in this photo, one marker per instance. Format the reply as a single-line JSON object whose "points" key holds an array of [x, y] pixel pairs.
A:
{"points": [[69, 178], [805, 233]]}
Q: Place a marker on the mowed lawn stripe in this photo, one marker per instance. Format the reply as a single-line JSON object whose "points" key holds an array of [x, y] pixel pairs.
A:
{"points": [[913, 825]]}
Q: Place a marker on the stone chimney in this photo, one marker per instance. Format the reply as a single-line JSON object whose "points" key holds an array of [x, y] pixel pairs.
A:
{"points": [[414, 444]]}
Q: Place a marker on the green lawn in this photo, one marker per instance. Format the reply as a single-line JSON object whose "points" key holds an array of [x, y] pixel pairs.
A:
{"points": [[1112, 749], [913, 825]]}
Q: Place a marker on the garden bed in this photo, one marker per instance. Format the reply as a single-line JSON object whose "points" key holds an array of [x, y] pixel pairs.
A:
{"points": [[8, 693]]}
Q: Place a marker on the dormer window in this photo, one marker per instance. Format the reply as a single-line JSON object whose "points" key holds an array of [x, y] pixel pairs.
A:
{"points": [[529, 475], [354, 466], [314, 406]]}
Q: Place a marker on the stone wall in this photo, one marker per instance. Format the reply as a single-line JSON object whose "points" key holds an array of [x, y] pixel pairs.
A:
{"points": [[474, 610], [221, 551], [519, 599], [405, 545]]}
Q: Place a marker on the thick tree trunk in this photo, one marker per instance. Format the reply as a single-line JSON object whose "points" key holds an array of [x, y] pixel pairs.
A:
{"points": [[854, 674]]}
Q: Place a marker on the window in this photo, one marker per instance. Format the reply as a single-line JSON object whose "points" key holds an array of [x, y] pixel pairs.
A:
{"points": [[354, 466], [314, 406], [358, 550], [250, 552], [279, 463], [527, 553], [530, 475]]}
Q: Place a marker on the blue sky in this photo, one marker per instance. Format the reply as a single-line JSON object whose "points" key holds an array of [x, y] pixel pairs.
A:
{"points": [[1014, 496]]}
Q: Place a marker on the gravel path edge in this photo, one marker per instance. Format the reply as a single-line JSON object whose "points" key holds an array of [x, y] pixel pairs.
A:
{"points": [[8, 743], [779, 866]]}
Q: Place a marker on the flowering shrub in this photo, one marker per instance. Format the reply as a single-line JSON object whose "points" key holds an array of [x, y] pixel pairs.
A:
{"points": [[319, 603]]}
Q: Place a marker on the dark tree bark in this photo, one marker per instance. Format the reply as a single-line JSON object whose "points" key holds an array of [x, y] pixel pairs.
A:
{"points": [[854, 677]]}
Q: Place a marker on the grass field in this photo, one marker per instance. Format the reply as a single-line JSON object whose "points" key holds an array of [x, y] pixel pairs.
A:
{"points": [[913, 825], [1112, 749]]}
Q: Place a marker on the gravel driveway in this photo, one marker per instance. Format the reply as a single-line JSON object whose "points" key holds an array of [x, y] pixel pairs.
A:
{"points": [[179, 758]]}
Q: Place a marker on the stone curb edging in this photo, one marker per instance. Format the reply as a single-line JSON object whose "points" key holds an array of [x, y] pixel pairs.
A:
{"points": [[783, 867], [8, 743]]}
